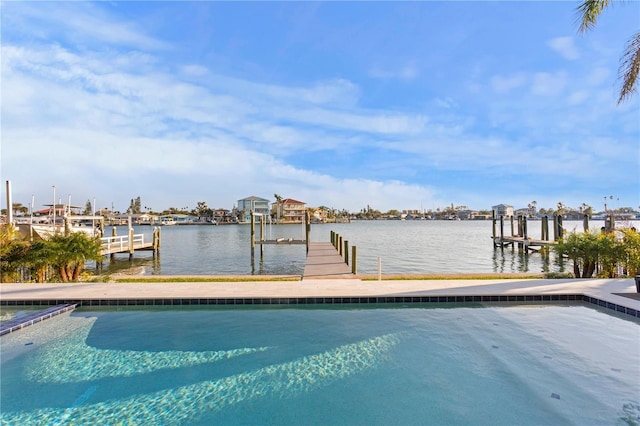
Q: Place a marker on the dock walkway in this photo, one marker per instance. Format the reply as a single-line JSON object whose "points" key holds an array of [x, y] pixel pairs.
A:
{"points": [[324, 261]]}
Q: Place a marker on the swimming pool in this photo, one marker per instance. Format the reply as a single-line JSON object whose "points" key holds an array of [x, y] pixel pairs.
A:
{"points": [[395, 364]]}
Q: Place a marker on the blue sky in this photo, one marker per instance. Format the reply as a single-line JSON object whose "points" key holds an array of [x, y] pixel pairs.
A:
{"points": [[396, 105]]}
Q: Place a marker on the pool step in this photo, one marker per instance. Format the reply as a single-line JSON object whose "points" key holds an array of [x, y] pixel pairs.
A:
{"points": [[27, 320]]}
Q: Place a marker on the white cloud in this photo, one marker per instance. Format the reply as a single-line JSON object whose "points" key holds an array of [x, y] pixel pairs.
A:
{"points": [[117, 124], [80, 22], [506, 84], [565, 47], [407, 73]]}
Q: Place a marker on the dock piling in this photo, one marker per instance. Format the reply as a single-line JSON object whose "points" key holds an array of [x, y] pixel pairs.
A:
{"points": [[354, 261], [346, 252]]}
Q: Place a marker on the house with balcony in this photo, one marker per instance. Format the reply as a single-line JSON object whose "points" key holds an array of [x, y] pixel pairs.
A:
{"points": [[249, 205], [221, 216], [289, 210]]}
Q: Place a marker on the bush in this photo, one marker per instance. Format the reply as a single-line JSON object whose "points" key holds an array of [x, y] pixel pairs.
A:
{"points": [[603, 253]]}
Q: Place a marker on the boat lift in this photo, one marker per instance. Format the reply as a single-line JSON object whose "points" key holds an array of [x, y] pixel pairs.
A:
{"points": [[306, 224]]}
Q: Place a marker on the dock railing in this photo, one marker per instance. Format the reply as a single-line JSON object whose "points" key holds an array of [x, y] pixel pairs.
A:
{"points": [[128, 243]]}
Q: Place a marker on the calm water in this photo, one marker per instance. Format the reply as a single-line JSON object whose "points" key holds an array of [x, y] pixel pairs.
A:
{"points": [[415, 247], [532, 365]]}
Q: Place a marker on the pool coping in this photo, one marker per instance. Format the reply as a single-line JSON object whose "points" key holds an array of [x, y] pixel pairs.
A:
{"points": [[604, 293]]}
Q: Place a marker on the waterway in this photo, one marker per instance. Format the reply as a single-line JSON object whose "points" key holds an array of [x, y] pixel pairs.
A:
{"points": [[399, 247]]}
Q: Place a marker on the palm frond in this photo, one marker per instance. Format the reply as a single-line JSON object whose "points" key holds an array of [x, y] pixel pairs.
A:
{"points": [[589, 11], [629, 68]]}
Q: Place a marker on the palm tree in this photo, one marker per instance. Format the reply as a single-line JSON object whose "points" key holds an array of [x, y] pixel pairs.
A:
{"points": [[12, 251], [278, 205], [40, 257], [590, 11], [72, 251]]}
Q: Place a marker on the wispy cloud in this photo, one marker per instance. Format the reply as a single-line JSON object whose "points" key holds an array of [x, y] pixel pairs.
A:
{"points": [[407, 72], [137, 104], [565, 46]]}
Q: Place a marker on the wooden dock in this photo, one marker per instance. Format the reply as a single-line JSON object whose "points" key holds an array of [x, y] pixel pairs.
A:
{"points": [[129, 243], [523, 242], [521, 237], [324, 261]]}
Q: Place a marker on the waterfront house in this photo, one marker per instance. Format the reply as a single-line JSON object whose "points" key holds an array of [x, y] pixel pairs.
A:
{"points": [[503, 210], [290, 211], [221, 216], [251, 204], [467, 214]]}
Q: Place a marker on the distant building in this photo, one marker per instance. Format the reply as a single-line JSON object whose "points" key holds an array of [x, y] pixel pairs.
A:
{"points": [[522, 212], [290, 211], [221, 216], [318, 215], [252, 204], [503, 210], [467, 214]]}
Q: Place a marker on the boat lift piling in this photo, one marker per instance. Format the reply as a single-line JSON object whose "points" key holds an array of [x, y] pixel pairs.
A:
{"points": [[522, 239], [263, 240]]}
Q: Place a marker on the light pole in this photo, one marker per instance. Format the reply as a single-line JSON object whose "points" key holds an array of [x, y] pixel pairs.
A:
{"points": [[54, 208], [93, 214], [31, 220]]}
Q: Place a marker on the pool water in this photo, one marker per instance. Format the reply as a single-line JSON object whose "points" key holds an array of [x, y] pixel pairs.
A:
{"points": [[416, 364]]}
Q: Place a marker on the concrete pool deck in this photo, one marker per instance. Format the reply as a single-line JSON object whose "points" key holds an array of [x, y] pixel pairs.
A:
{"points": [[607, 291]]}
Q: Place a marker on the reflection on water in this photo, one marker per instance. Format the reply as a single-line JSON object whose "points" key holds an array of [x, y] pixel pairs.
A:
{"points": [[180, 404], [72, 360], [411, 247], [527, 365]]}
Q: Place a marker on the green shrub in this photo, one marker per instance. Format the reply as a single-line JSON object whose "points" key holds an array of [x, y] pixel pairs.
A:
{"points": [[601, 253]]}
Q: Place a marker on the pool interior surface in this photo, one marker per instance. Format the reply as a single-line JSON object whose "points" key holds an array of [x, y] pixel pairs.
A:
{"points": [[411, 364]]}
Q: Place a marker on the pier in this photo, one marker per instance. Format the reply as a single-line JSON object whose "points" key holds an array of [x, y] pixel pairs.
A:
{"points": [[324, 261], [129, 243], [522, 238]]}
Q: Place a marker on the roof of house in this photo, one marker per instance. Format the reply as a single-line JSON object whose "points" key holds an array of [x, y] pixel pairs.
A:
{"points": [[291, 201], [253, 198]]}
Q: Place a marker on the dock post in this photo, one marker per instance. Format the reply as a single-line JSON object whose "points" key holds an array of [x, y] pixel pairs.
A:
{"points": [[501, 231], [156, 239], [331, 236], [557, 227], [307, 229], [609, 223], [354, 260], [114, 233], [346, 252], [262, 229], [340, 245], [493, 218], [525, 234], [512, 230], [520, 232], [544, 232], [131, 248], [253, 231], [585, 223], [560, 228]]}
